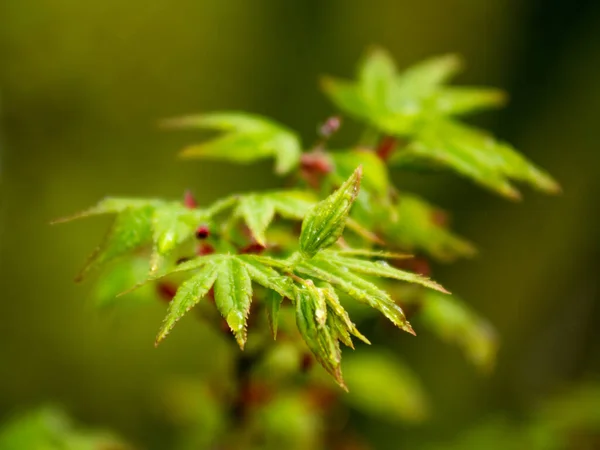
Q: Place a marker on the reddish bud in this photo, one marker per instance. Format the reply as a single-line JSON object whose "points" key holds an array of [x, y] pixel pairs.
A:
{"points": [[307, 362], [316, 162], [330, 126], [166, 291], [202, 232], [189, 201], [386, 147], [440, 218], [255, 247], [205, 249]]}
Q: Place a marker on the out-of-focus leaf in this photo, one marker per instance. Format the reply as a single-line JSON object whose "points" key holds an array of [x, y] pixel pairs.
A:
{"points": [[189, 294], [374, 172], [380, 385], [419, 108], [111, 205], [131, 229], [476, 155], [288, 422], [50, 429], [120, 277], [325, 222], [233, 294], [417, 226], [317, 336], [459, 100], [377, 76], [247, 138], [258, 213], [422, 79], [198, 412], [453, 321]]}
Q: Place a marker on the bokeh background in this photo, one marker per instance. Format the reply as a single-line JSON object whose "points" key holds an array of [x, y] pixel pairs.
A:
{"points": [[83, 83]]}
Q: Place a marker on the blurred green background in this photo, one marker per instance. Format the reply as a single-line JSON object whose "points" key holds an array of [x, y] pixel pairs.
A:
{"points": [[82, 85]]}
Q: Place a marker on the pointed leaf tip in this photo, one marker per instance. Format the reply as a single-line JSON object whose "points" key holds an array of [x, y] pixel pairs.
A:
{"points": [[325, 222]]}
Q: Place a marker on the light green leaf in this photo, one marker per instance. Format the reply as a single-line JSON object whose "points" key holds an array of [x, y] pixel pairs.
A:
{"points": [[357, 288], [375, 175], [317, 336], [292, 204], [367, 253], [460, 100], [419, 108], [48, 428], [233, 295], [382, 386], [377, 75], [325, 222], [339, 316], [273, 303], [188, 295], [112, 205], [422, 79], [131, 229], [119, 278], [248, 138], [347, 97], [417, 226], [381, 269], [454, 321], [172, 224], [475, 155], [258, 212], [260, 271]]}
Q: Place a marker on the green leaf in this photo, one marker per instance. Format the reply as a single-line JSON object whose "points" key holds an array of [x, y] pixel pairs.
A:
{"points": [[258, 212], [111, 205], [357, 288], [382, 386], [375, 175], [188, 295], [131, 229], [325, 222], [260, 272], [423, 78], [417, 226], [233, 295], [339, 318], [172, 224], [292, 204], [381, 269], [346, 96], [248, 138], [377, 75], [420, 109], [453, 321], [273, 303], [459, 101], [367, 253], [317, 336], [48, 428], [119, 278], [476, 155]]}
